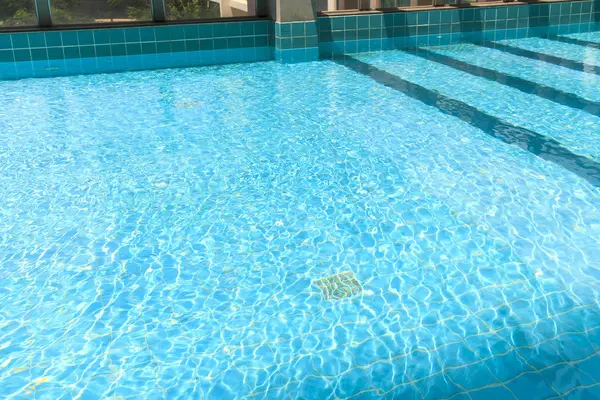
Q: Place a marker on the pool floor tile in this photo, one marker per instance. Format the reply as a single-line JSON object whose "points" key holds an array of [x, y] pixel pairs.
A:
{"points": [[531, 386]]}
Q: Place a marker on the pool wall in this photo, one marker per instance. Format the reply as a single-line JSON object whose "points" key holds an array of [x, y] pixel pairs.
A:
{"points": [[70, 52], [401, 30], [93, 50]]}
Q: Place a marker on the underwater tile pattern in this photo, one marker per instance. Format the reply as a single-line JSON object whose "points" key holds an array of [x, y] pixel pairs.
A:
{"points": [[171, 244]]}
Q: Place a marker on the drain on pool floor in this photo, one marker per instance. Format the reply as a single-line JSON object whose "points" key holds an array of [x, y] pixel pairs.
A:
{"points": [[339, 286]]}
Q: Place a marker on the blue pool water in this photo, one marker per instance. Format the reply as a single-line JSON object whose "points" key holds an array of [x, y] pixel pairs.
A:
{"points": [[163, 233]]}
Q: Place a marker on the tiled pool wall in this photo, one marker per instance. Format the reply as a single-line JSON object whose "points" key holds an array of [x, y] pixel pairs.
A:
{"points": [[93, 50], [67, 52], [401, 30], [296, 41]]}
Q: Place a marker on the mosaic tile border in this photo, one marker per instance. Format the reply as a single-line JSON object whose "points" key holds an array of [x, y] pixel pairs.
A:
{"points": [[373, 32]]}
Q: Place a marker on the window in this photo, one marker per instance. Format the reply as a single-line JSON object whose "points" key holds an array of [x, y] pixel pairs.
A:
{"points": [[99, 11], [202, 9], [17, 13]]}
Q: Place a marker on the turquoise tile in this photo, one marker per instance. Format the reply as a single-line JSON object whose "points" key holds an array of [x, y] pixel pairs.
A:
{"points": [[234, 43], [285, 30], [247, 28], [573, 346], [22, 55], [177, 46], [298, 29], [512, 12], [591, 366], [233, 29], [220, 30], [103, 50], [351, 47], [87, 51], [190, 32], [298, 42], [5, 41], [375, 21], [163, 47], [161, 33], [37, 39], [133, 49], [472, 376], [100, 36], [55, 53], [176, 33], [437, 387], [324, 24], [285, 43], [117, 50], [490, 14], [148, 48], [247, 41], [493, 393], [39, 54], [132, 35], [399, 19], [388, 20], [71, 52], [69, 38], [220, 43], [362, 21], [565, 377], [455, 355], [311, 28], [6, 56], [147, 34], [507, 366], [260, 28], [312, 41], [423, 18], [502, 13], [85, 38], [531, 386], [350, 23], [208, 44], [20, 41], [589, 393], [446, 17]]}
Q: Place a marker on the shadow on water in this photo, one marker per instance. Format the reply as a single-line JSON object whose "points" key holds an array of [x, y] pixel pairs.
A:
{"points": [[540, 145], [523, 85]]}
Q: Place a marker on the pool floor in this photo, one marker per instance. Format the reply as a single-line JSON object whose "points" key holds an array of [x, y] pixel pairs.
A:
{"points": [[403, 224]]}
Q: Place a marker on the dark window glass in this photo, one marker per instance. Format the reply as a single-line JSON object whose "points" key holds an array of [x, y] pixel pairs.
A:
{"points": [[99, 11], [17, 13], [203, 9]]}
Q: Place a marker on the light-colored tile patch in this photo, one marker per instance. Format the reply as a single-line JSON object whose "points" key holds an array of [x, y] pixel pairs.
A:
{"points": [[339, 286]]}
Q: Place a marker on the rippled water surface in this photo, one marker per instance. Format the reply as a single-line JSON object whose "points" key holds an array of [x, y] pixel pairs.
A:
{"points": [[384, 226]]}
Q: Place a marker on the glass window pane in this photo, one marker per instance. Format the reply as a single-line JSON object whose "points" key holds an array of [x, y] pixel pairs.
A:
{"points": [[202, 9], [17, 13], [99, 11]]}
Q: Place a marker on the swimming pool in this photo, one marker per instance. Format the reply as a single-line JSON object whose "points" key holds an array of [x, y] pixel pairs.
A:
{"points": [[394, 224]]}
